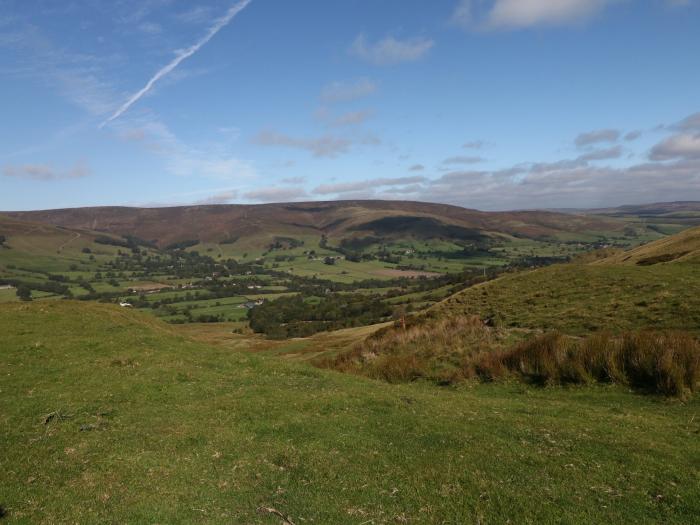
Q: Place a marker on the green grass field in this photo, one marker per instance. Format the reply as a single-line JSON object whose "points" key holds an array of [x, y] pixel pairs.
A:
{"points": [[107, 415], [579, 298]]}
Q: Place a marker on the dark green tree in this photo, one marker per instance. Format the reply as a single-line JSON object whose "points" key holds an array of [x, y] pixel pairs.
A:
{"points": [[24, 292]]}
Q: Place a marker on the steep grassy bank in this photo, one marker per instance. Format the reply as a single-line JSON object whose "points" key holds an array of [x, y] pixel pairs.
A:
{"points": [[106, 415], [581, 298]]}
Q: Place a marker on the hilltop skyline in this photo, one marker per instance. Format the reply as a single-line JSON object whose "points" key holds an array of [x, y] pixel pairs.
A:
{"points": [[490, 105]]}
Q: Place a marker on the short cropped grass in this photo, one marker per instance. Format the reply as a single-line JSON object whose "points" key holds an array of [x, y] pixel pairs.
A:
{"points": [[106, 415], [582, 298]]}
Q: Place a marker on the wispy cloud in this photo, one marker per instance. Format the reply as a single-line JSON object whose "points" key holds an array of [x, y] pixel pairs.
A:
{"points": [[347, 91], [602, 154], [324, 146], [181, 55], [351, 118], [77, 76], [212, 160], [594, 137], [275, 194], [474, 144], [44, 172], [223, 197], [196, 15], [391, 50], [461, 159], [348, 187], [294, 180]]}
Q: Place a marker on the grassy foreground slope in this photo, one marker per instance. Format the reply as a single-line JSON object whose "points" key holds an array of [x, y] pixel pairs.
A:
{"points": [[107, 415], [682, 247]]}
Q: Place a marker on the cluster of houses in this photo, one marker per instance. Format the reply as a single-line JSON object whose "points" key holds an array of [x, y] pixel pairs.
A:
{"points": [[251, 304]]}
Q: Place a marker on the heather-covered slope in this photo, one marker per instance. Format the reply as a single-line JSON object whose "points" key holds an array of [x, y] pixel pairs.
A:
{"points": [[337, 219]]}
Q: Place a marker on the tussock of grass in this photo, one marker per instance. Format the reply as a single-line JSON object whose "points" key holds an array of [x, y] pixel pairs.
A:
{"points": [[666, 363], [454, 349], [439, 350]]}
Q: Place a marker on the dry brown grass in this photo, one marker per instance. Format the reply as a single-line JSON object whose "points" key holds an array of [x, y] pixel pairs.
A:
{"points": [[439, 350], [454, 349], [666, 363]]}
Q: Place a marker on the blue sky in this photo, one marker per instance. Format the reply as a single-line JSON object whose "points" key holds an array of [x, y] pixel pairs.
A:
{"points": [[490, 104]]}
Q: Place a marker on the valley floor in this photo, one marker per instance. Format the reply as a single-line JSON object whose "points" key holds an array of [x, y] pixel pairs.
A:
{"points": [[107, 415]]}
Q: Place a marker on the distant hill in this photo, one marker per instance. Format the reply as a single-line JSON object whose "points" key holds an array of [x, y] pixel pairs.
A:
{"points": [[678, 208], [35, 239], [336, 219]]}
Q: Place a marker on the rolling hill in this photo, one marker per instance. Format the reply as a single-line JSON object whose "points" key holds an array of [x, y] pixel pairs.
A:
{"points": [[679, 209], [336, 219]]}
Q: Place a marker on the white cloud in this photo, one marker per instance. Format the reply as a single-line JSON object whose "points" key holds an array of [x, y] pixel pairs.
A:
{"points": [[566, 184], [681, 146], [390, 50], [526, 13], [517, 14]]}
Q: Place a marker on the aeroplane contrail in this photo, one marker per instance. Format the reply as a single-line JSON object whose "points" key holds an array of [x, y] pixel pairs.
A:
{"points": [[182, 55]]}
